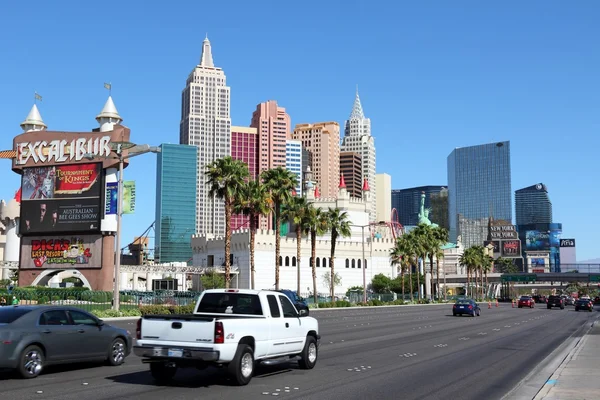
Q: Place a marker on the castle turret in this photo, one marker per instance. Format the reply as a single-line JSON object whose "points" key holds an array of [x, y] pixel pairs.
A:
{"points": [[367, 194], [343, 192], [33, 121]]}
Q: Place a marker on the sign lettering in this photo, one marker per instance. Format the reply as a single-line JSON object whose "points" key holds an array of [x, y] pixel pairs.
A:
{"points": [[59, 151], [567, 242]]}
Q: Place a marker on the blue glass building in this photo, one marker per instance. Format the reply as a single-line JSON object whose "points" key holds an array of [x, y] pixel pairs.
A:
{"points": [[479, 187], [533, 205], [176, 194], [407, 203]]}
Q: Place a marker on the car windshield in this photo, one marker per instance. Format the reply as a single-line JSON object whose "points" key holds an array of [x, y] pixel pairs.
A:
{"points": [[230, 303], [464, 302], [9, 314], [525, 297]]}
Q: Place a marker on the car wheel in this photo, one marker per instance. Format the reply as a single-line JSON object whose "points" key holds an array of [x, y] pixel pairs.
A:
{"points": [[549, 307], [31, 362], [479, 313], [241, 368], [162, 372], [562, 307], [454, 314], [116, 353], [309, 355]]}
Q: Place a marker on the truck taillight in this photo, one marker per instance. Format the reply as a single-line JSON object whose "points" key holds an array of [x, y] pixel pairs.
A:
{"points": [[219, 332], [138, 329]]}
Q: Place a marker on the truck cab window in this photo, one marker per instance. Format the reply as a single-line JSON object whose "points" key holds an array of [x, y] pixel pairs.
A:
{"points": [[273, 306], [288, 309]]}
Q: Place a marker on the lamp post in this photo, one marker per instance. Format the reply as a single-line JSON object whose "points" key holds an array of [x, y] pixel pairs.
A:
{"points": [[364, 261], [134, 150]]}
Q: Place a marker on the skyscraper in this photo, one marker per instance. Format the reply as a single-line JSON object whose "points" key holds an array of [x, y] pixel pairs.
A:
{"points": [[358, 139], [206, 123], [176, 197], [479, 187], [322, 139], [244, 147], [351, 168], [532, 205], [293, 161], [273, 125], [407, 203]]}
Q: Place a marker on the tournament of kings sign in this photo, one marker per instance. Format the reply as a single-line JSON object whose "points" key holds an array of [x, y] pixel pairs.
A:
{"points": [[59, 151]]}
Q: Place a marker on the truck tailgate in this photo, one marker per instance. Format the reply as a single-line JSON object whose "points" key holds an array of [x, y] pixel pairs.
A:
{"points": [[178, 328]]}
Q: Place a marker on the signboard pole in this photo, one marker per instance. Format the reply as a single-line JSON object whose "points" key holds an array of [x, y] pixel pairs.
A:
{"points": [[116, 299]]}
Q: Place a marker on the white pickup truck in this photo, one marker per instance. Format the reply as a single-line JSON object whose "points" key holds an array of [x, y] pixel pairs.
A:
{"points": [[230, 327]]}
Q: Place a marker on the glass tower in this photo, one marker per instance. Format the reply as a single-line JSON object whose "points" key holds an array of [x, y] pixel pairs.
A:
{"points": [[479, 187], [407, 203], [532, 205], [176, 181]]}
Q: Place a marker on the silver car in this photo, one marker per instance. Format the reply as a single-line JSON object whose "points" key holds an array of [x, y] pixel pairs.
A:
{"points": [[32, 337]]}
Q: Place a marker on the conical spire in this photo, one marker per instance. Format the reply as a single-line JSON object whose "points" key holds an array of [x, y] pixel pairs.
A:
{"points": [[33, 121], [357, 111], [342, 182], [109, 111], [206, 60]]}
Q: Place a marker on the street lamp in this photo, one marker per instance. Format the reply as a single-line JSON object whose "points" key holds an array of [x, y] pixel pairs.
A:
{"points": [[364, 270], [133, 150]]}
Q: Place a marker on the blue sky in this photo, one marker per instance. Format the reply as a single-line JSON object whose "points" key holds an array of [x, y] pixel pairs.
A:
{"points": [[432, 75]]}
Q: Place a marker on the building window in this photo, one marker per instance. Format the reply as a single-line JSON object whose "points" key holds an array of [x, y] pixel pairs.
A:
{"points": [[353, 264], [280, 260], [347, 263], [324, 262], [318, 262], [293, 261], [287, 261]]}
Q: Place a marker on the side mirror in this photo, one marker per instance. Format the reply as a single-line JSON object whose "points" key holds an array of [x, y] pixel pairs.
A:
{"points": [[303, 313], [100, 322]]}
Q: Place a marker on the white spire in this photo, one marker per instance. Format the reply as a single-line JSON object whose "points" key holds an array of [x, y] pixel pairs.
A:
{"points": [[109, 116], [357, 111], [206, 60], [33, 121]]}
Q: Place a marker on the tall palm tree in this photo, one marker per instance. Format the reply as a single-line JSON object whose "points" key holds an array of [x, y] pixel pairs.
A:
{"points": [[339, 225], [296, 211], [400, 256], [441, 237], [429, 243], [254, 202], [409, 245], [226, 177], [422, 237], [486, 266], [469, 260], [479, 254], [316, 224], [280, 183]]}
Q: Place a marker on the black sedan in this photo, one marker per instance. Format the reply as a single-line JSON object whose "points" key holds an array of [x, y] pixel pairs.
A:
{"points": [[466, 306], [32, 337], [584, 304]]}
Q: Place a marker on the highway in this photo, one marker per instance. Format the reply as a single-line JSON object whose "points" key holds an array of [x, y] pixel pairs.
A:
{"points": [[407, 352]]}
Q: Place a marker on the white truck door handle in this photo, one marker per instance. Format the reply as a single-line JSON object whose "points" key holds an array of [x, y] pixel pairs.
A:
{"points": [[287, 325]]}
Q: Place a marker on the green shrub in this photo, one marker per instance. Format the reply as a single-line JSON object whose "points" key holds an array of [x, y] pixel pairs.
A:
{"points": [[55, 298], [154, 310], [43, 300]]}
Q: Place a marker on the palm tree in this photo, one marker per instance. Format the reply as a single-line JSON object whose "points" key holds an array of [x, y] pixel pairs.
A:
{"points": [[254, 202], [409, 246], [280, 183], [469, 259], [429, 244], [339, 225], [296, 211], [226, 178], [422, 236], [441, 236], [316, 224], [400, 256], [479, 254], [487, 264]]}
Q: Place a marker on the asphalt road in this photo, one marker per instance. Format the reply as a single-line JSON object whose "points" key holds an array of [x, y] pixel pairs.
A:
{"points": [[417, 352]]}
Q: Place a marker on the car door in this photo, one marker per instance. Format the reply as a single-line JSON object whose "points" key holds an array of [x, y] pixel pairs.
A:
{"points": [[91, 337], [58, 336], [277, 328], [293, 325]]}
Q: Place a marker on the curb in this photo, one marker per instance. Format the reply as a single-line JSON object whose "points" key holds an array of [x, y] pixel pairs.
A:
{"points": [[549, 385], [311, 310], [530, 387]]}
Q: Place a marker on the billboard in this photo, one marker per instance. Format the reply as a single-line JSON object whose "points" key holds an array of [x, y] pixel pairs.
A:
{"points": [[537, 240], [511, 248], [61, 198], [538, 265], [567, 242], [79, 252], [498, 232]]}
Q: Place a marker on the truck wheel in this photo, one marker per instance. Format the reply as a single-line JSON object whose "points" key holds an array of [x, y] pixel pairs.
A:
{"points": [[241, 368], [309, 355], [161, 372]]}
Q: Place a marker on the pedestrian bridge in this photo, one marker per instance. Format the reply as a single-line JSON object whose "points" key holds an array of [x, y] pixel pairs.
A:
{"points": [[523, 277]]}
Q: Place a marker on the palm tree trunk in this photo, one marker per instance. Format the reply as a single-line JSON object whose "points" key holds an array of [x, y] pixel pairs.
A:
{"points": [[431, 283], [298, 254], [332, 263], [418, 280], [487, 283], [313, 253], [468, 280], [402, 274], [277, 245], [228, 209], [252, 241], [410, 283], [481, 279], [437, 267]]}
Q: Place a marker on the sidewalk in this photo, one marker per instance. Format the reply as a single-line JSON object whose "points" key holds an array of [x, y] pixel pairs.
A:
{"points": [[578, 376]]}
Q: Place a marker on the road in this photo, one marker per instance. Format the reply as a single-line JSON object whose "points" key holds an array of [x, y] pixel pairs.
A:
{"points": [[416, 352]]}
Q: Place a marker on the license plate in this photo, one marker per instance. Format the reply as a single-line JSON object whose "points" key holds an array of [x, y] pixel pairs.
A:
{"points": [[462, 306], [175, 353]]}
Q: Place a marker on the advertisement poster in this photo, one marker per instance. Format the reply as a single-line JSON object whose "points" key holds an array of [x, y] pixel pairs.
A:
{"points": [[538, 265], [128, 197], [61, 199], [537, 240], [511, 248], [62, 252], [112, 196]]}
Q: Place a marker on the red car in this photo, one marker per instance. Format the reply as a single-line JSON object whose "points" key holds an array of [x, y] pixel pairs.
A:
{"points": [[526, 301]]}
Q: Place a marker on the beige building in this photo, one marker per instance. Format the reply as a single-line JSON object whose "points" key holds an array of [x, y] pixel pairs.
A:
{"points": [[273, 125], [322, 139], [383, 187]]}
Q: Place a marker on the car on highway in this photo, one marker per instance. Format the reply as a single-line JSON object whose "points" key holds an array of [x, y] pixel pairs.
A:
{"points": [[584, 304], [555, 301], [231, 328], [466, 306], [539, 298], [299, 302], [32, 337], [526, 301]]}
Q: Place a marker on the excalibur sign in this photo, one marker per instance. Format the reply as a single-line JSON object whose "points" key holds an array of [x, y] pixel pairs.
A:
{"points": [[61, 150]]}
